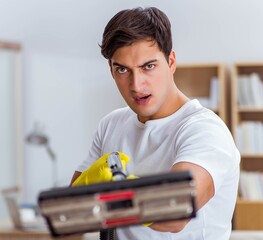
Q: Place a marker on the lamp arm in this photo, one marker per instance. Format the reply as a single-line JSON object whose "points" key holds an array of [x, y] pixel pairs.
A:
{"points": [[54, 162], [50, 152]]}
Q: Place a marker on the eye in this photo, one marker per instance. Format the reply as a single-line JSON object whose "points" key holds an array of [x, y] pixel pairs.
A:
{"points": [[121, 70], [149, 66]]}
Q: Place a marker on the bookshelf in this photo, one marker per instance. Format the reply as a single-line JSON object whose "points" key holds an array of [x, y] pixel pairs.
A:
{"points": [[206, 82], [247, 130]]}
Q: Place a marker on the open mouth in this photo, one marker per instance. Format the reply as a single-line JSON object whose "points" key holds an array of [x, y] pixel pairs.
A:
{"points": [[143, 100], [145, 97]]}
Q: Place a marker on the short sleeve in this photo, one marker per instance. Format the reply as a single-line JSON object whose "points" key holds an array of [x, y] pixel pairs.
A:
{"points": [[209, 144]]}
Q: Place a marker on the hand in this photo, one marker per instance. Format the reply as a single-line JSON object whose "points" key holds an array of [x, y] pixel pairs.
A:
{"points": [[99, 171], [147, 224]]}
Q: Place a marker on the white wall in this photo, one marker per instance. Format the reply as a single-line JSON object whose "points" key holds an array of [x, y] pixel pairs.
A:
{"points": [[68, 95], [67, 85], [220, 31]]}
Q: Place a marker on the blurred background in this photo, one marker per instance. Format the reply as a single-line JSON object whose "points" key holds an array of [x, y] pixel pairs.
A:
{"points": [[66, 87]]}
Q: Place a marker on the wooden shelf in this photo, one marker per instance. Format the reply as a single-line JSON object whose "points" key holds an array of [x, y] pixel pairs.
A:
{"points": [[251, 115], [10, 45], [252, 155], [250, 110], [195, 81], [248, 214], [252, 162]]}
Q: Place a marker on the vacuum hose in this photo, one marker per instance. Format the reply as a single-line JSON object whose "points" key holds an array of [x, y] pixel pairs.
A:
{"points": [[118, 173], [108, 234]]}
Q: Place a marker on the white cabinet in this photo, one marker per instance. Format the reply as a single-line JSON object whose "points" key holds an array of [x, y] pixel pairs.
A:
{"points": [[11, 153]]}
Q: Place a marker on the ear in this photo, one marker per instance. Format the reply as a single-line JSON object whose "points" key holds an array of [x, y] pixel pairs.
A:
{"points": [[172, 62]]}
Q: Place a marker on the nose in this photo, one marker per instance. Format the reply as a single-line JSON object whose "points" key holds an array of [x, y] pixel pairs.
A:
{"points": [[137, 81]]}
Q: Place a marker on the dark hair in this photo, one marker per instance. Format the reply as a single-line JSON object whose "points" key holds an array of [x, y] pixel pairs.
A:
{"points": [[131, 25]]}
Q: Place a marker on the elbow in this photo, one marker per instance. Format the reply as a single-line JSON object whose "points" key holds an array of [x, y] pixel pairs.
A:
{"points": [[179, 227]]}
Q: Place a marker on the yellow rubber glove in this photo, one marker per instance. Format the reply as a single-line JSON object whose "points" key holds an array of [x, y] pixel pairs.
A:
{"points": [[99, 171], [147, 224]]}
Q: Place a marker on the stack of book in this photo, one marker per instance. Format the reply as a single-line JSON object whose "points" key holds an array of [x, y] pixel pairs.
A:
{"points": [[212, 100], [250, 90], [251, 185], [249, 137]]}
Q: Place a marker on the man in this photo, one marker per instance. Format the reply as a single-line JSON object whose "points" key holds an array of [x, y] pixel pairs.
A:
{"points": [[162, 129]]}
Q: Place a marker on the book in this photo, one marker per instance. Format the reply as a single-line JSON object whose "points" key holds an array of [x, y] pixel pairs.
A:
{"points": [[214, 92], [256, 90], [249, 137], [250, 90], [251, 185]]}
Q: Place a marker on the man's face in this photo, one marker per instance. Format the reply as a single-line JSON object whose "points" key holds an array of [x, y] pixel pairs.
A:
{"points": [[145, 79]]}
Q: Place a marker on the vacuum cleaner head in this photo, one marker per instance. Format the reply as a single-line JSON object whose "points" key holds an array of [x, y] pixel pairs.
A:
{"points": [[82, 209]]}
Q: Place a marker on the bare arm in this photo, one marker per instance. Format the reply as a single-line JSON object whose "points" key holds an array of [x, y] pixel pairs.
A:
{"points": [[204, 192], [74, 177]]}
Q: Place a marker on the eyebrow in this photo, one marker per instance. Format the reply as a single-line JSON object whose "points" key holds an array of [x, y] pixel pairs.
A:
{"points": [[142, 65]]}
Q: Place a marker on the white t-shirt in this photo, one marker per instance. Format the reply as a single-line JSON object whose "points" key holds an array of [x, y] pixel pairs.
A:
{"points": [[192, 134]]}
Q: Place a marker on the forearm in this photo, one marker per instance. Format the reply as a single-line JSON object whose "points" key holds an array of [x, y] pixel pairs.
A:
{"points": [[204, 192]]}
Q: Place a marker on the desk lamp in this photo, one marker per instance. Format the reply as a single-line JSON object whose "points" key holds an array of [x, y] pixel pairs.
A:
{"points": [[38, 138]]}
